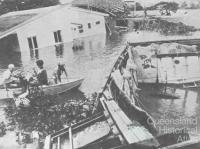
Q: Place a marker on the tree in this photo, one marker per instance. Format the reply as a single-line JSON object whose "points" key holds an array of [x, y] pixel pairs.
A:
{"points": [[15, 5], [138, 7], [184, 5], [165, 7], [3, 8], [193, 6]]}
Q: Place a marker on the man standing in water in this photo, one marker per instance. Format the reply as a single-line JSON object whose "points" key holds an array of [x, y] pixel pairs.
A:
{"points": [[60, 69]]}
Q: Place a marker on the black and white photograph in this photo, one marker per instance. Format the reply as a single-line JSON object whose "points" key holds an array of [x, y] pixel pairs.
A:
{"points": [[99, 74]]}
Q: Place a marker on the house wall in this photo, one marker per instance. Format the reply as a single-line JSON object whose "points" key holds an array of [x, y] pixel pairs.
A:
{"points": [[64, 19], [84, 19]]}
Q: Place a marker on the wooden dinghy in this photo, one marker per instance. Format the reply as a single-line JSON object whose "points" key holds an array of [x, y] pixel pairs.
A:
{"points": [[79, 135], [53, 89], [66, 85]]}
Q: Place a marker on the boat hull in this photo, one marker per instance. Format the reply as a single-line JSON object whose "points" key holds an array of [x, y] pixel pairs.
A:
{"points": [[63, 87], [48, 90]]}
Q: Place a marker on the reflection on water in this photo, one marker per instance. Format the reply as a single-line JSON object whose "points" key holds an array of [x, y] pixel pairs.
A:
{"points": [[186, 108], [59, 50], [34, 54]]}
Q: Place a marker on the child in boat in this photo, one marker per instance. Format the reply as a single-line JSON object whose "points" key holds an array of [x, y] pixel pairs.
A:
{"points": [[60, 69], [41, 73]]}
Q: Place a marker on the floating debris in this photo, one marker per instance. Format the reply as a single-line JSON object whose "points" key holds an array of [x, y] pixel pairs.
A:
{"points": [[164, 27]]}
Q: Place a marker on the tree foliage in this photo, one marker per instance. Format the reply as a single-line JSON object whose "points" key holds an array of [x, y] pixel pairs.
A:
{"points": [[191, 5], [184, 5], [15, 5], [138, 7], [165, 7]]}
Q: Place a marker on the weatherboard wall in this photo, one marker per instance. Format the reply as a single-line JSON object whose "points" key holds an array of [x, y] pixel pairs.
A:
{"points": [[67, 20]]}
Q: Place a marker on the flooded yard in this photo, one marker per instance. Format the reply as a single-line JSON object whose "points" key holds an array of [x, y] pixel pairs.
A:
{"points": [[93, 61]]}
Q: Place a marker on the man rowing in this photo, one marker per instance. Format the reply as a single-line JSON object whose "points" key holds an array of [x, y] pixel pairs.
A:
{"points": [[40, 73]]}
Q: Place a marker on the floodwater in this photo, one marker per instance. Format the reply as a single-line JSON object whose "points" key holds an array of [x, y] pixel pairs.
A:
{"points": [[94, 62]]}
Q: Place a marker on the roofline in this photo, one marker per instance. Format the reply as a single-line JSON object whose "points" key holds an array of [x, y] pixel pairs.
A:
{"points": [[187, 41], [13, 29], [90, 11]]}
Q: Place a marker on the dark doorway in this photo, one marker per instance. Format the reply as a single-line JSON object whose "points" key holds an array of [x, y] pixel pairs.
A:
{"points": [[9, 44]]}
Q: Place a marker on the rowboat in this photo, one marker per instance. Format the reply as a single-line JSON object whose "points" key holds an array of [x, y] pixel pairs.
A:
{"points": [[66, 85]]}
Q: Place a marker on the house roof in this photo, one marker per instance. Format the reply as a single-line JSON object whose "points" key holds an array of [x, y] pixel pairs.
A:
{"points": [[13, 20], [9, 22]]}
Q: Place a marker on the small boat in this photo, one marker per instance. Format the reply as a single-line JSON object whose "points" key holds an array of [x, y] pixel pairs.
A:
{"points": [[81, 134], [53, 89], [66, 85], [8, 94]]}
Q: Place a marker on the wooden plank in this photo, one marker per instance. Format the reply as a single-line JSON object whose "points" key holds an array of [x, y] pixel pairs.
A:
{"points": [[107, 94], [125, 118], [58, 141], [47, 143], [71, 138], [132, 133], [127, 134], [135, 127], [191, 41], [178, 54], [138, 129]]}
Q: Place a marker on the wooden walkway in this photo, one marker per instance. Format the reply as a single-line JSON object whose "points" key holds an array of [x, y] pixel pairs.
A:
{"points": [[132, 131]]}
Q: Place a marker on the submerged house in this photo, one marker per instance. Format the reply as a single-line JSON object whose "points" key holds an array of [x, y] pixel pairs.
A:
{"points": [[30, 30]]}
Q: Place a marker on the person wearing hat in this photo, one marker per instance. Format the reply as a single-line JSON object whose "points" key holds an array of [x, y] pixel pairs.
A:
{"points": [[8, 76], [60, 69], [41, 73]]}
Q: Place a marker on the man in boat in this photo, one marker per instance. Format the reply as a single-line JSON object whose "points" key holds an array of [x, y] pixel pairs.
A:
{"points": [[8, 77], [60, 69], [41, 74]]}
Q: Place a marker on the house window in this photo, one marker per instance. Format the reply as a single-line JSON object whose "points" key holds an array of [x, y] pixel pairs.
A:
{"points": [[32, 42], [57, 36], [89, 25], [98, 22], [33, 46], [80, 28]]}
